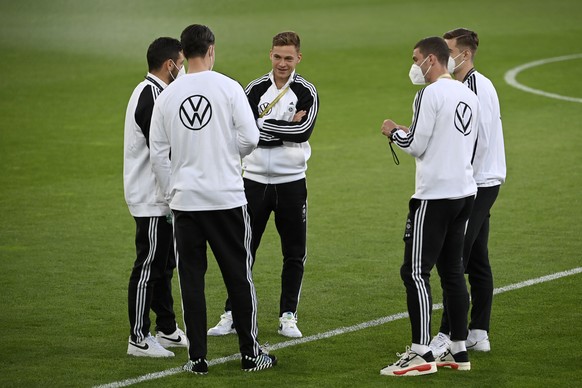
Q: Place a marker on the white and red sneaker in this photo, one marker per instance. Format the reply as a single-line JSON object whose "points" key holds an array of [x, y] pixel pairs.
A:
{"points": [[411, 364]]}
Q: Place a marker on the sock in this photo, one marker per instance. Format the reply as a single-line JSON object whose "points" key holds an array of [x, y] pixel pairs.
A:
{"points": [[458, 346], [420, 349]]}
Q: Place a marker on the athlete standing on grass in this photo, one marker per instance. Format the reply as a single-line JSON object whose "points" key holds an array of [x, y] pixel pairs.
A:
{"points": [[205, 121], [489, 172], [150, 283], [441, 138], [286, 106]]}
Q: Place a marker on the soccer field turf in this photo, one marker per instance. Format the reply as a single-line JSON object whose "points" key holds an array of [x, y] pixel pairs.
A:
{"points": [[66, 237]]}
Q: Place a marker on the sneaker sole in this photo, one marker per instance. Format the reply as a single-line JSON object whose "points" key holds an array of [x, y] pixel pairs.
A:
{"points": [[220, 334], [173, 345], [480, 347], [288, 335], [463, 366], [137, 353], [258, 368], [417, 370]]}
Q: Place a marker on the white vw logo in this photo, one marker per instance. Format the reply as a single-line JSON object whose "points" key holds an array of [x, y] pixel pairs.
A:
{"points": [[463, 117], [195, 112]]}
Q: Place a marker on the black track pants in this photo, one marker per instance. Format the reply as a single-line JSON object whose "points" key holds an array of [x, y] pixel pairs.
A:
{"points": [[228, 232], [434, 236]]}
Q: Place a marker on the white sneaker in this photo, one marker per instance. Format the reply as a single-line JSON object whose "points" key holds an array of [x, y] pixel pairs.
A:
{"points": [[149, 347], [478, 340], [224, 327], [288, 326], [411, 364], [174, 340], [439, 344]]}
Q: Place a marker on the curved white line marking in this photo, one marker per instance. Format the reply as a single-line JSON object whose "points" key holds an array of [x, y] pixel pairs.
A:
{"points": [[511, 74]]}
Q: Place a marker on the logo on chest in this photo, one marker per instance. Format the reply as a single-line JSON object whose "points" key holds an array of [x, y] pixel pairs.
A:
{"points": [[262, 108]]}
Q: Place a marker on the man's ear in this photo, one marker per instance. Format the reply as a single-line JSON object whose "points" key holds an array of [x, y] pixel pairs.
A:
{"points": [[168, 65], [433, 59]]}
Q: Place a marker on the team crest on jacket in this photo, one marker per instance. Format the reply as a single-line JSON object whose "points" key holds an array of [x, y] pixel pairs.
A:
{"points": [[195, 112], [463, 117]]}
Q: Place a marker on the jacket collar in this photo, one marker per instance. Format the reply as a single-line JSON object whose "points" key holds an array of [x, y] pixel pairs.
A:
{"points": [[156, 81], [291, 78]]}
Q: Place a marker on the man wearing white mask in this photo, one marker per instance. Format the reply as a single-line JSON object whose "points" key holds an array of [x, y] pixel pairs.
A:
{"points": [[150, 282], [205, 121], [441, 138], [489, 172]]}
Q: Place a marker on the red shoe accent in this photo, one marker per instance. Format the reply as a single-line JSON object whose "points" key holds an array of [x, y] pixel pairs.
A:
{"points": [[420, 368], [451, 365]]}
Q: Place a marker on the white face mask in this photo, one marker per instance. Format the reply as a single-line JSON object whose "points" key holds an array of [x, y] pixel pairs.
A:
{"points": [[455, 62], [451, 65], [181, 71], [416, 75]]}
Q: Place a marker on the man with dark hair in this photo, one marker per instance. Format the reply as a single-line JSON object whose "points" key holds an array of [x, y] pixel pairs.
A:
{"points": [[150, 283], [441, 138], [285, 106], [204, 119], [489, 172]]}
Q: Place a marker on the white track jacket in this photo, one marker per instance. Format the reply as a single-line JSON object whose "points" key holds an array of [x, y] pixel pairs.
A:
{"points": [[283, 149], [204, 124], [489, 160], [142, 195], [441, 138]]}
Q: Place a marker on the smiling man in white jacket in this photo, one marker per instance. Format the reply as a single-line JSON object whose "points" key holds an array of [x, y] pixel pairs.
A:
{"points": [[286, 106]]}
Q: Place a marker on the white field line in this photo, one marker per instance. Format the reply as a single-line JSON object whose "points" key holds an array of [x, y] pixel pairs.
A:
{"points": [[512, 74], [332, 333]]}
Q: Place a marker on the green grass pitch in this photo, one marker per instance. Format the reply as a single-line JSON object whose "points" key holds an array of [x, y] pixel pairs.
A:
{"points": [[66, 237]]}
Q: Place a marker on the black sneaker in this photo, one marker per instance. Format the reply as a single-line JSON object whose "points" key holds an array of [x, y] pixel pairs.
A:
{"points": [[198, 366], [262, 361]]}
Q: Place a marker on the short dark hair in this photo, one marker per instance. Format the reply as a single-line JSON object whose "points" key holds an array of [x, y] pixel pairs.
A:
{"points": [[465, 39], [434, 45], [196, 39], [287, 38], [162, 49]]}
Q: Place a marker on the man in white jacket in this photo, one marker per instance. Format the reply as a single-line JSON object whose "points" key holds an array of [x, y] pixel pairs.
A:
{"points": [[150, 282], [202, 126], [286, 106], [489, 171], [441, 138]]}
